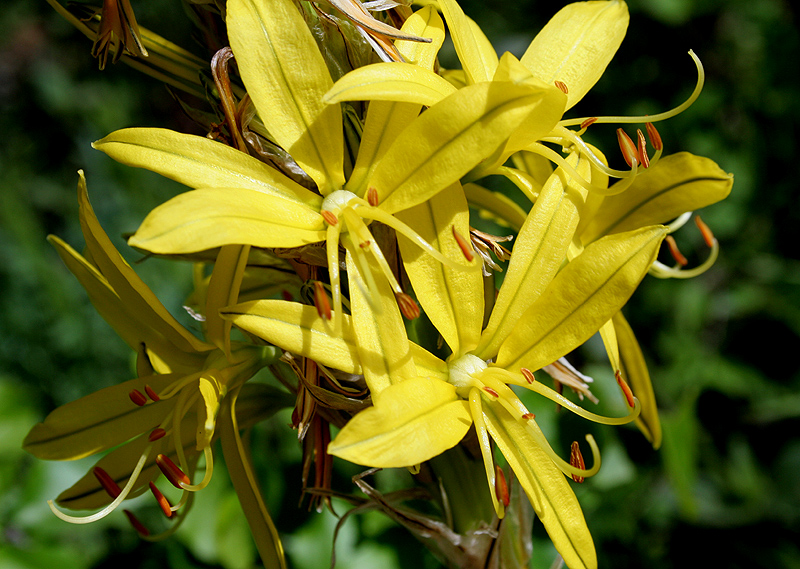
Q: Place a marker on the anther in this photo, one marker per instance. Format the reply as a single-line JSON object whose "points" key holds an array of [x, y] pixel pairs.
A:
{"points": [[329, 217], [151, 393], [576, 460], [137, 397], [321, 301], [163, 503], [529, 416], [588, 122], [108, 483], [372, 197], [501, 486], [464, 245], [527, 374], [408, 306], [641, 147], [629, 152], [287, 296], [156, 434], [491, 391], [365, 244], [175, 475], [137, 525], [675, 252], [708, 236], [625, 389], [655, 137], [562, 87]]}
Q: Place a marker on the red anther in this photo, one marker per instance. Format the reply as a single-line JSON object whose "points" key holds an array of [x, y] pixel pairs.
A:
{"points": [[408, 306], [137, 525], [365, 244], [641, 147], [151, 393], [372, 197], [175, 475], [675, 252], [529, 416], [708, 236], [166, 507], [625, 389], [137, 397], [588, 122], [655, 138], [629, 152], [156, 434], [328, 216], [527, 374], [464, 245], [491, 391], [287, 296], [108, 483], [576, 460], [501, 486], [562, 87], [321, 301]]}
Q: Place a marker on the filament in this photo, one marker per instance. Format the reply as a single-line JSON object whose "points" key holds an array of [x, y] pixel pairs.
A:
{"points": [[662, 271], [486, 446]]}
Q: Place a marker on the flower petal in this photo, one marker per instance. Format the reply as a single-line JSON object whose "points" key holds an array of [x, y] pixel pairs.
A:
{"points": [[223, 290], [475, 51]]}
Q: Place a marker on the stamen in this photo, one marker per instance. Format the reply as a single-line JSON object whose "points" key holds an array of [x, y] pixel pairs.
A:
{"points": [[463, 244], [528, 375], [641, 146], [156, 434], [476, 410], [629, 152], [365, 244], [529, 416], [655, 137], [151, 393], [675, 252], [163, 503], [562, 87], [708, 236], [372, 197], [321, 301], [408, 306], [329, 216], [625, 389], [108, 483], [175, 475], [501, 486], [576, 460], [588, 122], [137, 525], [491, 391], [138, 397]]}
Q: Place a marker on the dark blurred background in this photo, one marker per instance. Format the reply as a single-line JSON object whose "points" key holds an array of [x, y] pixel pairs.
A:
{"points": [[722, 347]]}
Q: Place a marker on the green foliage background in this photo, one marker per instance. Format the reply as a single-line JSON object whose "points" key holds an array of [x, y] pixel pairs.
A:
{"points": [[722, 347]]}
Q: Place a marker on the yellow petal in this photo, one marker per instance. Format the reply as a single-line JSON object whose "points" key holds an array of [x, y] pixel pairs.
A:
{"points": [[674, 185], [297, 328], [424, 23], [546, 486], [410, 422], [223, 290], [583, 296], [474, 50], [451, 298], [286, 77], [198, 162], [212, 217], [577, 44]]}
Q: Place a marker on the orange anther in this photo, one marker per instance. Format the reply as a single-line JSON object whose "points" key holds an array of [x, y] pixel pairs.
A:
{"points": [[408, 306], [588, 122], [137, 397], [529, 416], [372, 197], [287, 296], [629, 152], [625, 389], [321, 301], [464, 245], [156, 434], [151, 393], [365, 244], [527, 374], [641, 147], [328, 216], [137, 525], [576, 460], [175, 475], [501, 486], [708, 236], [562, 87], [491, 391], [109, 484], [675, 252], [166, 507], [655, 138]]}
